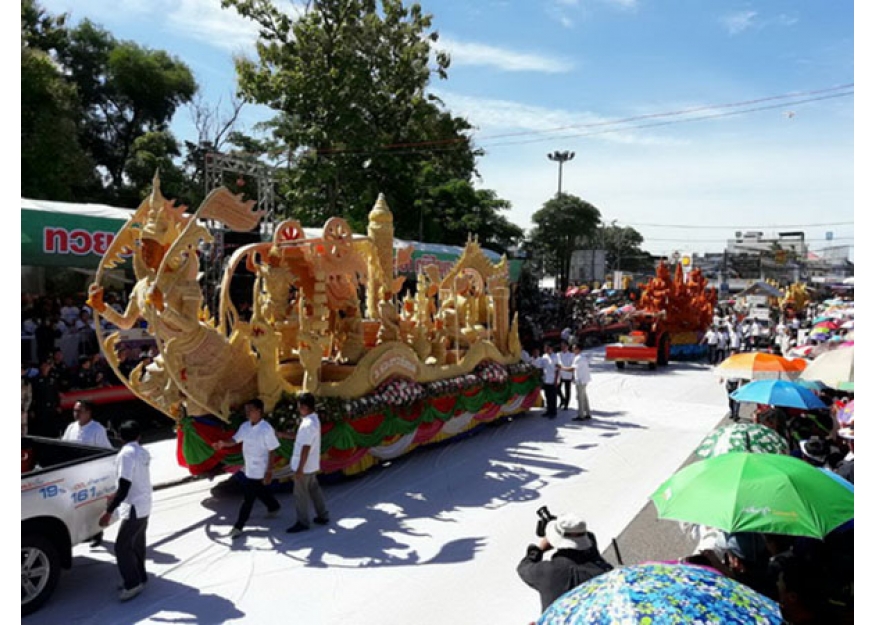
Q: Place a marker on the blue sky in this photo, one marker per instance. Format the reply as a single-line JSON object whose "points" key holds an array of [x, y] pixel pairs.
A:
{"points": [[536, 76]]}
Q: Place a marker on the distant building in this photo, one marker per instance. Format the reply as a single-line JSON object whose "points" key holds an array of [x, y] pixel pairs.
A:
{"points": [[751, 256], [588, 266]]}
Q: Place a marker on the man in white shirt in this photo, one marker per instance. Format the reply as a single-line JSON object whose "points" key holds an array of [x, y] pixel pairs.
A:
{"points": [[549, 377], [711, 340], [259, 442], [755, 333], [734, 342], [85, 429], [133, 501], [582, 377], [305, 464], [566, 375], [722, 344]]}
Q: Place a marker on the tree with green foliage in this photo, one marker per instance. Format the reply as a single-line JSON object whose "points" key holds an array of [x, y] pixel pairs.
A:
{"points": [[126, 91], [349, 81], [562, 226], [53, 163], [453, 210], [90, 105], [622, 245]]}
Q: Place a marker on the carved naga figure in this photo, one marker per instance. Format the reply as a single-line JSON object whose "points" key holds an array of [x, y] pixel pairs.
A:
{"points": [[197, 365]]}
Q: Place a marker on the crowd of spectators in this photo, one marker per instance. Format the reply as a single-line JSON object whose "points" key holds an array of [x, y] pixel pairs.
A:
{"points": [[550, 315], [60, 353]]}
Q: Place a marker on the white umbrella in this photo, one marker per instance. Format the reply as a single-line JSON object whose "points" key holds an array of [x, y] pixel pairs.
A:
{"points": [[834, 368]]}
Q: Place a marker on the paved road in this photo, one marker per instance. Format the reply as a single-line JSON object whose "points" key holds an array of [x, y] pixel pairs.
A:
{"points": [[431, 538]]}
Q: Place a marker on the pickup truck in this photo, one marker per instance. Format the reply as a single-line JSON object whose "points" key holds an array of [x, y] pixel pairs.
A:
{"points": [[64, 490]]}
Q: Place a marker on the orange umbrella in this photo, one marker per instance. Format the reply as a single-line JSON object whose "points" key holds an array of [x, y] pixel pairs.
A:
{"points": [[760, 366]]}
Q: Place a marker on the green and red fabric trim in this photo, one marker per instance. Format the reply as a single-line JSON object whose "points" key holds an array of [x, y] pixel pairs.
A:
{"points": [[388, 430]]}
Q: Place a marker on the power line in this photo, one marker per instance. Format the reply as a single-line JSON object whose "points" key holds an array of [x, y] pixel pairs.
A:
{"points": [[769, 227], [678, 112], [429, 146], [807, 240], [672, 121]]}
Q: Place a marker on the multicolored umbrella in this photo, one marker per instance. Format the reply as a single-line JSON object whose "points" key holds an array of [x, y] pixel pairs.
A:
{"points": [[801, 351], [778, 393], [759, 366], [834, 368], [744, 492], [845, 416], [741, 437], [663, 594]]}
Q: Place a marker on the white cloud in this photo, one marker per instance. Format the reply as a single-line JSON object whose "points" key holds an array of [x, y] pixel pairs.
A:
{"points": [[465, 53], [208, 22], [739, 21], [624, 4], [201, 20], [495, 117]]}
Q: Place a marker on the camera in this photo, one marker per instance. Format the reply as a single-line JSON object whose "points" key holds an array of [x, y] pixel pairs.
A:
{"points": [[544, 517]]}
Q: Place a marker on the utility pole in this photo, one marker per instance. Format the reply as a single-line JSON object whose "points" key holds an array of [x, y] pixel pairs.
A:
{"points": [[561, 158]]}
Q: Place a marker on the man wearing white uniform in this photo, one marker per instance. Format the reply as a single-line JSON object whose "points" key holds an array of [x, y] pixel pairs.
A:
{"points": [[85, 429], [549, 377], [305, 464], [259, 442], [133, 500], [582, 377], [566, 375]]}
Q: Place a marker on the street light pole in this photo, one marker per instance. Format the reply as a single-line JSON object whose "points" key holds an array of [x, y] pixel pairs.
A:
{"points": [[561, 158]]}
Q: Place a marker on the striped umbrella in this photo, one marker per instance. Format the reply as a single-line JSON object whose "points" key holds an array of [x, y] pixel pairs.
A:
{"points": [[759, 366]]}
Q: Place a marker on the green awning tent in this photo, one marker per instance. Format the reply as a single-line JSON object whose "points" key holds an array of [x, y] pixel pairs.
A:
{"points": [[62, 234]]}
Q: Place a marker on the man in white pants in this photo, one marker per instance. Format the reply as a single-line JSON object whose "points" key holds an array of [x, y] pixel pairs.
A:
{"points": [[564, 359], [582, 377], [305, 464]]}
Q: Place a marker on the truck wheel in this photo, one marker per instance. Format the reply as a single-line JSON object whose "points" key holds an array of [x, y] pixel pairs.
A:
{"points": [[40, 568], [651, 366], [663, 351], [620, 364]]}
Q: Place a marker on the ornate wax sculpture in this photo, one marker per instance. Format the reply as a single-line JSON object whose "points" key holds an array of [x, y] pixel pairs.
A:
{"points": [[308, 329]]}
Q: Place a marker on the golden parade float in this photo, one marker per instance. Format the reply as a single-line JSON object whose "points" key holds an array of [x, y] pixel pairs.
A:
{"points": [[389, 373], [671, 317]]}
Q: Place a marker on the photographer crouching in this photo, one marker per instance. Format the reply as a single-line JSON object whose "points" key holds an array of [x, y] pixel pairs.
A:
{"points": [[576, 560]]}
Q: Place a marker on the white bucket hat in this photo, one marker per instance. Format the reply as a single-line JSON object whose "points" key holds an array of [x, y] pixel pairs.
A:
{"points": [[568, 532]]}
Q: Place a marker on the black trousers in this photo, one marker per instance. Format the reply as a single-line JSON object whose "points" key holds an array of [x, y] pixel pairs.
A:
{"points": [[254, 489], [564, 393], [550, 398], [130, 550]]}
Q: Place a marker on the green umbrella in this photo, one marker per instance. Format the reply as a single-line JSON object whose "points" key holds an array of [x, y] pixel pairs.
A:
{"points": [[751, 437], [745, 492]]}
